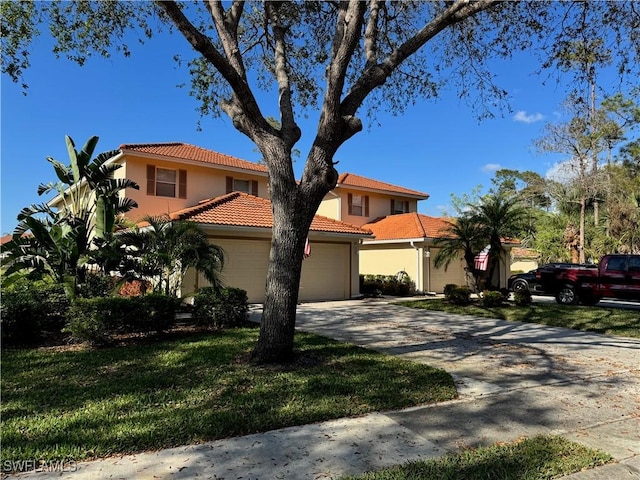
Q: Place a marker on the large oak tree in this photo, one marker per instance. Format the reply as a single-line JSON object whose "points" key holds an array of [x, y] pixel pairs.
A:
{"points": [[343, 59]]}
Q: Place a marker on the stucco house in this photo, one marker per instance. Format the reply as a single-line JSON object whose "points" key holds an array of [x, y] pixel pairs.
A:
{"points": [[362, 226], [229, 199], [403, 239]]}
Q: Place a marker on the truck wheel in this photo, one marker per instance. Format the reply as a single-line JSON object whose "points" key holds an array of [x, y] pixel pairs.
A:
{"points": [[567, 295], [520, 285]]}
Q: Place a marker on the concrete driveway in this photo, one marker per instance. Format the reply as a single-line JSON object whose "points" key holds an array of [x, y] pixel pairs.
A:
{"points": [[514, 380]]}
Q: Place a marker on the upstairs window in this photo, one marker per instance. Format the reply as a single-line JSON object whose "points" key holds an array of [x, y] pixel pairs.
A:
{"points": [[358, 205], [240, 185], [399, 206], [166, 182]]}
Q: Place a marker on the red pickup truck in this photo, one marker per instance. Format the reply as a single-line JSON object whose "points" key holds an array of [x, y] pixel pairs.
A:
{"points": [[617, 276]]}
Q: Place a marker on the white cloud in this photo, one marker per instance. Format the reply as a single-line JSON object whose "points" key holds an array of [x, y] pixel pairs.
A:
{"points": [[522, 116], [563, 171], [491, 167]]}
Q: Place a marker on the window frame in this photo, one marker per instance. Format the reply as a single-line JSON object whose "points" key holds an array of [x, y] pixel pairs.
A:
{"points": [[179, 185], [363, 206]]}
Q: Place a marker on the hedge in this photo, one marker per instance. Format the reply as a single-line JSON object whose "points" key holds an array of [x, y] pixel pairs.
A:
{"points": [[220, 308], [29, 309], [97, 320]]}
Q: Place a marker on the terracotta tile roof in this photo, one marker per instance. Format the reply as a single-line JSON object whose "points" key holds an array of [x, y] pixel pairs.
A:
{"points": [[243, 210], [523, 252], [408, 226], [5, 239], [185, 151], [353, 180]]}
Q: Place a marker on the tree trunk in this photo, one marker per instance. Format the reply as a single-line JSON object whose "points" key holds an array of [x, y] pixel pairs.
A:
{"points": [[275, 343], [293, 207], [583, 208]]}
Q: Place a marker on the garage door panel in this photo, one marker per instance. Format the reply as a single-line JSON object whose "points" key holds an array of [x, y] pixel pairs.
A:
{"points": [[326, 273]]}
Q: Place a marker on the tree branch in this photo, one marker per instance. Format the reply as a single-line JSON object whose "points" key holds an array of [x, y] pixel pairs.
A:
{"points": [[227, 31], [290, 131], [376, 75], [371, 33], [242, 108]]}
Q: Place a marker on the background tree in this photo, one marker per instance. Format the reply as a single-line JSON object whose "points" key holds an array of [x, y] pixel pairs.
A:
{"points": [[340, 58], [163, 250]]}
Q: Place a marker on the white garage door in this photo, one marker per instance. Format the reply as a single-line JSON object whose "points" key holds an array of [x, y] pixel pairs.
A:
{"points": [[325, 274]]}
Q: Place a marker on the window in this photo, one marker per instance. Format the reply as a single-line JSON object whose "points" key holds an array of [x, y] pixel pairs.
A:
{"points": [[239, 185], [616, 263], [358, 205], [166, 182], [634, 264], [399, 206]]}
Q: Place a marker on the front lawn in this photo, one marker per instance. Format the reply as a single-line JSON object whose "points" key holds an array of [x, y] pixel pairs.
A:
{"points": [[610, 321], [77, 403], [537, 458]]}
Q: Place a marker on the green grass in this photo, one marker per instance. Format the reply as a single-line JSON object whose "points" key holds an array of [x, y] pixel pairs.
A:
{"points": [[75, 404], [537, 458], [609, 321]]}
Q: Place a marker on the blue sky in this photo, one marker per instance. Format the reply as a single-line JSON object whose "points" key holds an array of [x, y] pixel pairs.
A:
{"points": [[438, 147]]}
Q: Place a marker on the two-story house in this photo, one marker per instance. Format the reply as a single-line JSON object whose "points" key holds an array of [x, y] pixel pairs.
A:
{"points": [[403, 239], [229, 199]]}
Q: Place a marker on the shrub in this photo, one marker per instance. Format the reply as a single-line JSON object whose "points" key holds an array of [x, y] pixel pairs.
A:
{"points": [[396, 285], [522, 298], [96, 285], [448, 288], [223, 308], [97, 320], [28, 309], [160, 312], [459, 296], [491, 299]]}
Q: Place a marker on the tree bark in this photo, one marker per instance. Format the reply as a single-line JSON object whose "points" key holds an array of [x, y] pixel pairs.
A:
{"points": [[583, 209], [293, 207]]}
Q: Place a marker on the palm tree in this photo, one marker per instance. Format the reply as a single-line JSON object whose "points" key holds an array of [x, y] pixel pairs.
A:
{"points": [[56, 241], [501, 218], [165, 249], [463, 235]]}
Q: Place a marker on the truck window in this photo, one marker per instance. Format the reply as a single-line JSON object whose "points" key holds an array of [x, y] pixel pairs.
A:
{"points": [[616, 263], [634, 264]]}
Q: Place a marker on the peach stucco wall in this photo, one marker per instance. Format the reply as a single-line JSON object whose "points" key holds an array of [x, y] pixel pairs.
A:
{"points": [[203, 182], [379, 205]]}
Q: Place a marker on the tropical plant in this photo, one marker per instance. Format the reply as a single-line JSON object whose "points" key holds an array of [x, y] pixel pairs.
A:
{"points": [[500, 219], [464, 236], [163, 249], [54, 239]]}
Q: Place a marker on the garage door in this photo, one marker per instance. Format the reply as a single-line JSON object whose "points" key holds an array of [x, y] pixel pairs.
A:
{"points": [[326, 273], [439, 277]]}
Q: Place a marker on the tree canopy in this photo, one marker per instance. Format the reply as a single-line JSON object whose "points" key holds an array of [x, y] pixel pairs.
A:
{"points": [[344, 59]]}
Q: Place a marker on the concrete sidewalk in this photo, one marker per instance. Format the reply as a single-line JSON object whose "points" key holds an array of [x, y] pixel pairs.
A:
{"points": [[514, 380]]}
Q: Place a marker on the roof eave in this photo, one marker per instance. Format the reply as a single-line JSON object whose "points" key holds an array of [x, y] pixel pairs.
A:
{"points": [[187, 161], [386, 192]]}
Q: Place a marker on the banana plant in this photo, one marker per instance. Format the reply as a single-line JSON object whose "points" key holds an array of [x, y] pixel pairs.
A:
{"points": [[55, 238]]}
